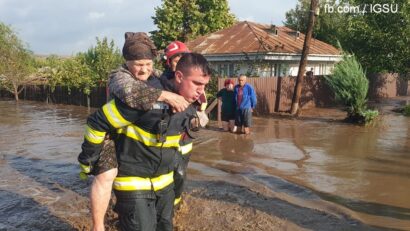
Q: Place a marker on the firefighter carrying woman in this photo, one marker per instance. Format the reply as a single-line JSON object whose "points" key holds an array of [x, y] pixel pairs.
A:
{"points": [[149, 127]]}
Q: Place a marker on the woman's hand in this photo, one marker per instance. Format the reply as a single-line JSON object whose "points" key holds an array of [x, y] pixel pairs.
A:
{"points": [[177, 102]]}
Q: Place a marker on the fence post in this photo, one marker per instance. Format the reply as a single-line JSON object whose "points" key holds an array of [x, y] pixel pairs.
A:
{"points": [[45, 87], [88, 101]]}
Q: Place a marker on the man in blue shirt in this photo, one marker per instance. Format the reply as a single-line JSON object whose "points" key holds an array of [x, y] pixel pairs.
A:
{"points": [[245, 102]]}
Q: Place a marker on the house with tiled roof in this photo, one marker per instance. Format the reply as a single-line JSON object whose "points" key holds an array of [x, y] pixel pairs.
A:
{"points": [[263, 50]]}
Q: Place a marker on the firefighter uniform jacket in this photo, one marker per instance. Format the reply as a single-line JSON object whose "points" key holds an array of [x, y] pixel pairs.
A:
{"points": [[147, 145]]}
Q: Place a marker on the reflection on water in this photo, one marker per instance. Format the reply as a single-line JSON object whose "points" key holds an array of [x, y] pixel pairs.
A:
{"points": [[363, 171], [39, 187], [39, 130]]}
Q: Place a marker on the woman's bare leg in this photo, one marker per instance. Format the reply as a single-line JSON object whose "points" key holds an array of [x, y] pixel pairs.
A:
{"points": [[100, 196]]}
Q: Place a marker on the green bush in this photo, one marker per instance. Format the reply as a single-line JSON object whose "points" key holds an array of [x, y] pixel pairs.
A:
{"points": [[350, 85], [406, 110], [83, 71], [212, 88], [101, 59]]}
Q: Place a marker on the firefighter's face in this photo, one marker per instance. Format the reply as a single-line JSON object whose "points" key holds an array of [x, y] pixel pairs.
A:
{"points": [[141, 69], [191, 85]]}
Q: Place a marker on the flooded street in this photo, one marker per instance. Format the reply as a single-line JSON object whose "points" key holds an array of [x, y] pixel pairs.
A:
{"points": [[311, 173], [39, 187]]}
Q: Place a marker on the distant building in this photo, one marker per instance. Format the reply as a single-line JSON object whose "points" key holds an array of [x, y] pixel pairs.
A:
{"points": [[263, 50]]}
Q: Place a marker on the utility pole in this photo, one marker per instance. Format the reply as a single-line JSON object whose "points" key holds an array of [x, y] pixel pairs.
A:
{"points": [[302, 66]]}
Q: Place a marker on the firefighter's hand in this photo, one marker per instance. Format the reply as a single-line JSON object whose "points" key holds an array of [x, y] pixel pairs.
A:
{"points": [[85, 171], [203, 118], [177, 102]]}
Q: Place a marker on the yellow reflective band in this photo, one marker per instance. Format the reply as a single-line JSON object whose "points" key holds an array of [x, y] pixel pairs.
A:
{"points": [[85, 168], [132, 183], [185, 149], [203, 106], [113, 115], [177, 200], [93, 136], [149, 139]]}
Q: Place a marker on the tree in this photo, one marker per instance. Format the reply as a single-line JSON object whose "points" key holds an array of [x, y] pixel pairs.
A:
{"points": [[379, 37], [186, 19], [101, 59], [329, 26], [74, 73], [381, 40], [350, 85], [48, 69], [85, 70], [296, 18], [16, 62]]}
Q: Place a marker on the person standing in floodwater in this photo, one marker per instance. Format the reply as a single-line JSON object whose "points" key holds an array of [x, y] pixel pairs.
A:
{"points": [[128, 83], [245, 102], [173, 53], [147, 146], [226, 95]]}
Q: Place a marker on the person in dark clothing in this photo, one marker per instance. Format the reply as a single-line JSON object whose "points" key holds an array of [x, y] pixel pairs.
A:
{"points": [[147, 146], [226, 95], [309, 74], [173, 53]]}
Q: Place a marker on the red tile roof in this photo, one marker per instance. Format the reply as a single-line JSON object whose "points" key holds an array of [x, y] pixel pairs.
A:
{"points": [[253, 37]]}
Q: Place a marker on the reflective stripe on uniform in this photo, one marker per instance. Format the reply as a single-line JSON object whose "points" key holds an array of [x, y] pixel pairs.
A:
{"points": [[113, 115], [185, 149], [177, 200], [203, 106], [149, 139], [160, 105], [93, 136], [85, 168], [132, 183]]}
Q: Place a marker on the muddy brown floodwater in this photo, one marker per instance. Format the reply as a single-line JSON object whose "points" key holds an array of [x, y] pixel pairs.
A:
{"points": [[312, 173]]}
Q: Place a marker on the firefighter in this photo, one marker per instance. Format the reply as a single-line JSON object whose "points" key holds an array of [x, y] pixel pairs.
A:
{"points": [[125, 83], [173, 53], [147, 146]]}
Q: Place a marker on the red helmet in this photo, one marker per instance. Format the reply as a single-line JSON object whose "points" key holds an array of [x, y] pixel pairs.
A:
{"points": [[175, 48]]}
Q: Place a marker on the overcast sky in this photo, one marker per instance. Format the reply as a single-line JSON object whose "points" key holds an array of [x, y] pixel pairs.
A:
{"points": [[67, 27]]}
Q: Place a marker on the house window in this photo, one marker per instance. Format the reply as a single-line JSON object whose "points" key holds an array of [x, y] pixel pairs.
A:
{"points": [[225, 69], [222, 69], [266, 70], [231, 71], [281, 69], [276, 68], [284, 70], [323, 69]]}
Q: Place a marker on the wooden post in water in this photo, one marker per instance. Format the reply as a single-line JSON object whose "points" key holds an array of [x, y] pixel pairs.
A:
{"points": [[88, 101], [302, 66], [47, 91]]}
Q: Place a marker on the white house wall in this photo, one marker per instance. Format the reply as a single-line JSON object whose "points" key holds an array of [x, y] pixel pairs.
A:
{"points": [[271, 69]]}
